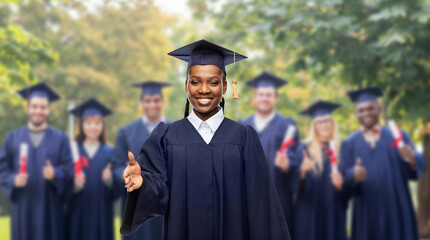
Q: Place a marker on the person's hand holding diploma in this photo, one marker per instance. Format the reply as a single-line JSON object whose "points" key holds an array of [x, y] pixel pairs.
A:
{"points": [[132, 174]]}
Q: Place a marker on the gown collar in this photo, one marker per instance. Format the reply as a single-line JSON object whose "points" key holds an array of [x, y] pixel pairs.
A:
{"points": [[214, 122]]}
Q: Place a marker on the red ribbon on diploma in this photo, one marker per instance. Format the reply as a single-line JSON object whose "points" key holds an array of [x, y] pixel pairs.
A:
{"points": [[398, 140], [23, 165], [80, 164], [285, 145], [333, 158]]}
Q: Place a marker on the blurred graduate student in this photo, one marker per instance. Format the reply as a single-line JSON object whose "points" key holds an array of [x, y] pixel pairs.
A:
{"points": [[272, 129], [35, 167], [377, 169], [131, 138], [90, 206], [320, 203]]}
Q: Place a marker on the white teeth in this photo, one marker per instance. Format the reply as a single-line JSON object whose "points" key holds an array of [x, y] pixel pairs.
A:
{"points": [[204, 100]]}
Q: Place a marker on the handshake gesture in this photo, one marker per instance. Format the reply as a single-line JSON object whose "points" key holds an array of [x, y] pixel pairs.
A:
{"points": [[132, 174]]}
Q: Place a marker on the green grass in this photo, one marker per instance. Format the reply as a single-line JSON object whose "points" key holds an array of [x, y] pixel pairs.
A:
{"points": [[5, 228]]}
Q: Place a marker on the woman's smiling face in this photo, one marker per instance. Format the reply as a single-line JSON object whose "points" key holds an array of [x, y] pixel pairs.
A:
{"points": [[205, 86]]}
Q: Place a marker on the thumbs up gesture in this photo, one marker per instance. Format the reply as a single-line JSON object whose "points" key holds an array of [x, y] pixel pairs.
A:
{"points": [[107, 173], [307, 165], [408, 155], [281, 161], [21, 180], [79, 181], [48, 171], [132, 174], [360, 172], [337, 180]]}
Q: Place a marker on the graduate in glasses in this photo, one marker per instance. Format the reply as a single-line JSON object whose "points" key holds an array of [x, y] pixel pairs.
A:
{"points": [[206, 173], [320, 204]]}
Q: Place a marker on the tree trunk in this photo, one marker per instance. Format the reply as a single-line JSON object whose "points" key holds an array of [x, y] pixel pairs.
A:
{"points": [[424, 189]]}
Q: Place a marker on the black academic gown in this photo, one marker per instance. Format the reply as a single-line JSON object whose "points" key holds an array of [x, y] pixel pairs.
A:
{"points": [[37, 210], [131, 138], [383, 206], [90, 211], [271, 139], [320, 207], [221, 190]]}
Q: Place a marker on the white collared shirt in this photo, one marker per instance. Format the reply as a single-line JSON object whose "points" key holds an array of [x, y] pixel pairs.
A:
{"points": [[207, 128], [261, 123], [151, 126]]}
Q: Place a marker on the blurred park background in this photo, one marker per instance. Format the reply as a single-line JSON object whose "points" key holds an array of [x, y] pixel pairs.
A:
{"points": [[97, 48]]}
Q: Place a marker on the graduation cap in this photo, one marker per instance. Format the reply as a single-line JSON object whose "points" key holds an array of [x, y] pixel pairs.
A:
{"points": [[204, 52], [90, 108], [320, 108], [39, 90], [266, 80], [365, 94], [150, 88]]}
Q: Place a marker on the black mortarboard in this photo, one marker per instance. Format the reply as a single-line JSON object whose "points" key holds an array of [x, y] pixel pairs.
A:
{"points": [[39, 90], [266, 80], [89, 108], [150, 88], [365, 94], [320, 108], [204, 52]]}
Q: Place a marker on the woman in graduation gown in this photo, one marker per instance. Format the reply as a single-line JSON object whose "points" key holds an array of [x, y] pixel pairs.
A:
{"points": [[206, 173], [320, 204], [90, 208]]}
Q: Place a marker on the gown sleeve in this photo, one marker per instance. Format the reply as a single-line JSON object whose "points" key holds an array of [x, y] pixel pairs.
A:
{"points": [[303, 186], [265, 216], [112, 187], [420, 161], [346, 168], [151, 199], [279, 174], [292, 150], [64, 169], [7, 175], [119, 159]]}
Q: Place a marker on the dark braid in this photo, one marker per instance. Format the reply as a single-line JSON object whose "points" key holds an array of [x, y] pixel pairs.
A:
{"points": [[222, 104], [187, 109]]}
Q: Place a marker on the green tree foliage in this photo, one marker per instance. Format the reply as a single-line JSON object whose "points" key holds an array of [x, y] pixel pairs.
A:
{"points": [[103, 50], [365, 42], [20, 53]]}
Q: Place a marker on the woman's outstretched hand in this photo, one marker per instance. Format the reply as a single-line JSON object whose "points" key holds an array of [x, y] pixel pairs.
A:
{"points": [[132, 174]]}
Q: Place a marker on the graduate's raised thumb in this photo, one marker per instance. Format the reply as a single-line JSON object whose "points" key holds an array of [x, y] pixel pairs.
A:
{"points": [[358, 162], [305, 154], [109, 166], [48, 163], [131, 158]]}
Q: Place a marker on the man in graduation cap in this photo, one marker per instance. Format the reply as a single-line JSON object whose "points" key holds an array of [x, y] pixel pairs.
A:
{"points": [[271, 128], [376, 173], [132, 136], [35, 166], [205, 173]]}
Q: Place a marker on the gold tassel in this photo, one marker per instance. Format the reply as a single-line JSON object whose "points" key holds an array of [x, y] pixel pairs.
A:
{"points": [[234, 90]]}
